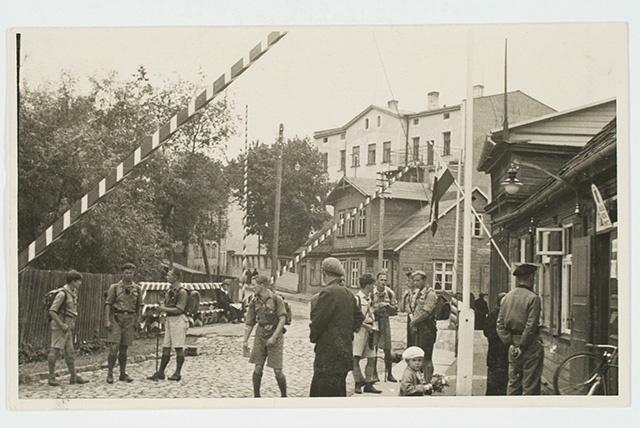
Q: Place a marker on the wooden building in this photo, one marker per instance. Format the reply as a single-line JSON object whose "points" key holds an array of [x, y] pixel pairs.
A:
{"points": [[563, 219]]}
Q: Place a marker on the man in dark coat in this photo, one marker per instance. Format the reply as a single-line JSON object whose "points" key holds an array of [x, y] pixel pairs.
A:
{"points": [[335, 316], [497, 355], [481, 310]]}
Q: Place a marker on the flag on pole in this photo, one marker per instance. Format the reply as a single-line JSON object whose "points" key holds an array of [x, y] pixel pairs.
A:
{"points": [[441, 182]]}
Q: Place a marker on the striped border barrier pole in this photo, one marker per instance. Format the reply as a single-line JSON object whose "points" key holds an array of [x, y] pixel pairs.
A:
{"points": [[339, 223], [246, 195], [142, 153]]}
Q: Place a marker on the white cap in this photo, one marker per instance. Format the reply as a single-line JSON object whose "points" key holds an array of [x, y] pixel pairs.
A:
{"points": [[412, 352]]}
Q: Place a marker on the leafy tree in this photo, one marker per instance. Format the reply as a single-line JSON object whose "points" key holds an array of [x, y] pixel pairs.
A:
{"points": [[68, 141], [304, 186]]}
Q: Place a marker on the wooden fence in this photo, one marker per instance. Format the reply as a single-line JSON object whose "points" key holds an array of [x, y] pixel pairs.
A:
{"points": [[33, 327]]}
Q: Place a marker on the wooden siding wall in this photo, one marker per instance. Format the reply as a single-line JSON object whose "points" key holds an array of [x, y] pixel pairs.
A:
{"points": [[33, 328]]}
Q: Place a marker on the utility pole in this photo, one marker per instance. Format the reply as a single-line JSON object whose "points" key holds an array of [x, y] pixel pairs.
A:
{"points": [[276, 220]]}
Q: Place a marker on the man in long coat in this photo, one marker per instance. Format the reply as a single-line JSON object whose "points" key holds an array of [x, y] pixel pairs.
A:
{"points": [[335, 316]]}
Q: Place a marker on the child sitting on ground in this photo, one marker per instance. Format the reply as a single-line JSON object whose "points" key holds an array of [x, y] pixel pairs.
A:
{"points": [[413, 383]]}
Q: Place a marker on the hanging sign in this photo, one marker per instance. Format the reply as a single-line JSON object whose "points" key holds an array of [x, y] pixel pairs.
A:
{"points": [[603, 222]]}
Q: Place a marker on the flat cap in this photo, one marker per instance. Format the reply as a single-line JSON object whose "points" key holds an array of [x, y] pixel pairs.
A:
{"points": [[332, 266], [525, 269], [418, 272], [412, 352]]}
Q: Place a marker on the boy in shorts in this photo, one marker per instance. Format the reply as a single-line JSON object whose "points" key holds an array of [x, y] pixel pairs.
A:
{"points": [[63, 312], [268, 311]]}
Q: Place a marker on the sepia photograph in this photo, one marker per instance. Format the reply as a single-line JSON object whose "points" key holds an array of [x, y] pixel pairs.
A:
{"points": [[319, 216]]}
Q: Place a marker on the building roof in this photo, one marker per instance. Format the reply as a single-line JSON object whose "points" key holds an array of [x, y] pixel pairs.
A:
{"points": [[546, 130], [419, 222], [369, 186], [412, 114], [600, 147]]}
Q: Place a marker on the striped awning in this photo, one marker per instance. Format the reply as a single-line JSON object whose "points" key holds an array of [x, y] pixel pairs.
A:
{"points": [[198, 286]]}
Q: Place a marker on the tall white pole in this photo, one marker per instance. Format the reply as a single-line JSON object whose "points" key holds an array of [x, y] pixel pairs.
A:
{"points": [[466, 317]]}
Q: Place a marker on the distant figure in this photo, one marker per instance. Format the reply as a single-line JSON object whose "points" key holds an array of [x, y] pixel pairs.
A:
{"points": [[481, 309], [232, 311], [518, 329], [335, 316], [254, 273], [497, 355]]}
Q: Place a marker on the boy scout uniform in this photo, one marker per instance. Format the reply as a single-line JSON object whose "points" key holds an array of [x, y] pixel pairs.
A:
{"points": [[125, 301], [176, 325], [266, 313], [68, 311]]}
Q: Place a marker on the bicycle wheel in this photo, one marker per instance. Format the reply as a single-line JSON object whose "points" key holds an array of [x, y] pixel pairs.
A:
{"points": [[580, 374]]}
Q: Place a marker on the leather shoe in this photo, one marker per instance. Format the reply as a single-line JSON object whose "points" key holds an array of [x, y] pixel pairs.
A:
{"points": [[53, 383], [370, 388], [156, 376], [126, 378], [110, 378], [78, 381], [175, 377], [359, 386], [390, 378]]}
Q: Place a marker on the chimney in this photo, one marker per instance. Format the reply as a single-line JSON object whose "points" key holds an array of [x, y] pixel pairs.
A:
{"points": [[432, 100], [393, 105], [478, 91]]}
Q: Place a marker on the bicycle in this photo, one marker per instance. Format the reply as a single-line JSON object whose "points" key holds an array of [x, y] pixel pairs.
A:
{"points": [[586, 373]]}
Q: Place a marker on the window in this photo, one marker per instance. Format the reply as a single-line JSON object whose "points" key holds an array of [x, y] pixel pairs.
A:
{"points": [[523, 250], [445, 116], [566, 301], [416, 149], [430, 147], [386, 152], [443, 276], [355, 156], [549, 241], [379, 122], [343, 160], [355, 274], [416, 121], [341, 223], [371, 155], [351, 223], [366, 123], [325, 140], [446, 138], [343, 135], [385, 265], [325, 161], [362, 221], [476, 227]]}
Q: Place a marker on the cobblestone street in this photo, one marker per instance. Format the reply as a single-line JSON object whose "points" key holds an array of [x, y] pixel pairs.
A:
{"points": [[219, 371]]}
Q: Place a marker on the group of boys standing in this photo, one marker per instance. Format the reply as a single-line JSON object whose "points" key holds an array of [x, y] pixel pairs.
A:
{"points": [[344, 328], [122, 315]]}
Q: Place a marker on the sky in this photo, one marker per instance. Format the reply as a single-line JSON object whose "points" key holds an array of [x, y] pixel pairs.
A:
{"points": [[321, 77]]}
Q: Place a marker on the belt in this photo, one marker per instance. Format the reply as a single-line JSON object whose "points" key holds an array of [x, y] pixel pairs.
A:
{"points": [[117, 311]]}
